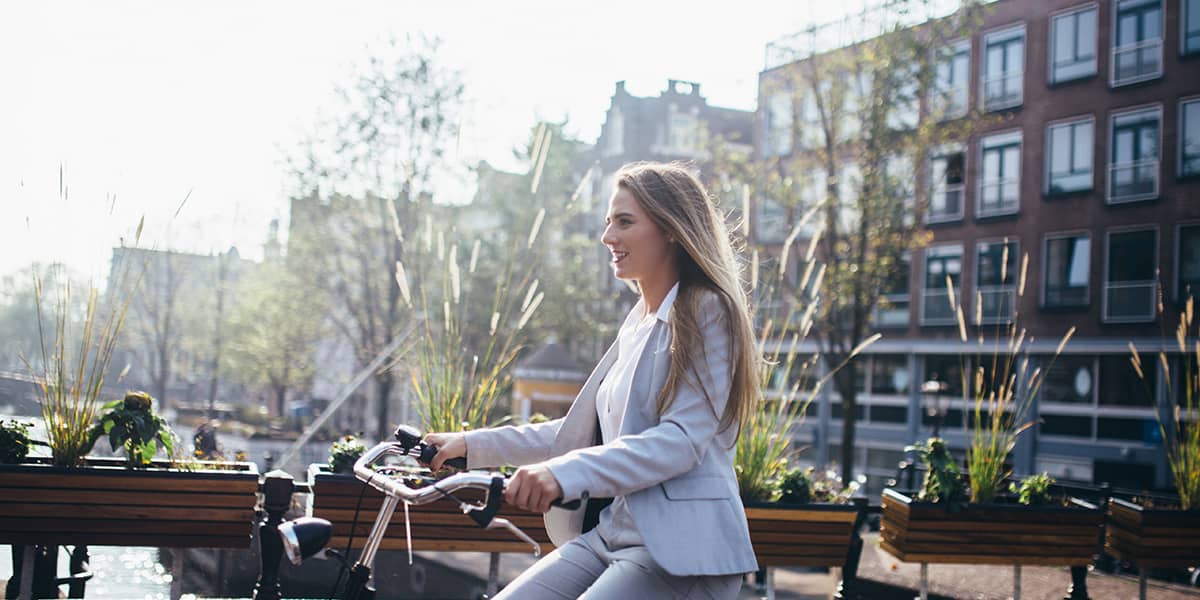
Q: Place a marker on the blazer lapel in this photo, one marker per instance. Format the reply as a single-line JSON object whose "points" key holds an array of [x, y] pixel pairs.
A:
{"points": [[641, 406], [578, 428]]}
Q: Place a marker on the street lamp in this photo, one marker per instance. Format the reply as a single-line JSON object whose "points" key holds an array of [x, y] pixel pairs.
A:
{"points": [[934, 390]]}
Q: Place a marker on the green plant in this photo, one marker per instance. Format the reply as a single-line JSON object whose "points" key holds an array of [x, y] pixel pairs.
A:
{"points": [[1002, 386], [1181, 431], [943, 482], [75, 361], [1034, 490], [804, 486], [344, 452], [14, 441], [132, 425]]}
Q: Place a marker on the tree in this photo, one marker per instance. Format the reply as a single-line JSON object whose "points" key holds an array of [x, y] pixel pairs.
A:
{"points": [[19, 337], [365, 177], [844, 129], [275, 325]]}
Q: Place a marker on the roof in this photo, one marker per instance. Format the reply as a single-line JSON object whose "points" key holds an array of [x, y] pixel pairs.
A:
{"points": [[550, 362]]}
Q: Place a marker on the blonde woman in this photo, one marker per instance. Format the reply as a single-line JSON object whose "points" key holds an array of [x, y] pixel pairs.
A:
{"points": [[655, 424]]}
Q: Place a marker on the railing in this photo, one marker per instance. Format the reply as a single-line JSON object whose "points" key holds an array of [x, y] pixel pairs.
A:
{"points": [[999, 196], [949, 103], [935, 308], [951, 205], [1136, 62], [1003, 91], [1129, 301], [997, 303], [1132, 181]]}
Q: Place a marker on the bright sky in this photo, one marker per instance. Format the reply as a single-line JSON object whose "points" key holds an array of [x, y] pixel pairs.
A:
{"points": [[148, 102]]}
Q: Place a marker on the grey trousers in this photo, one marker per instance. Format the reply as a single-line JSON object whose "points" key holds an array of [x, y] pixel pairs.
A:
{"points": [[585, 568]]}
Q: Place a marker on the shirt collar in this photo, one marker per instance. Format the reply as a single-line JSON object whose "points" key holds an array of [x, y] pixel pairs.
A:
{"points": [[664, 309]]}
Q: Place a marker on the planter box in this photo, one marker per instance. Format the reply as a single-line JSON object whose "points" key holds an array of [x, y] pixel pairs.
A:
{"points": [[107, 504], [1152, 537], [437, 526], [1001, 534], [802, 535]]}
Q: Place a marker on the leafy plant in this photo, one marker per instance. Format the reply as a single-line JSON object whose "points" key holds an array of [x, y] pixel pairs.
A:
{"points": [[14, 441], [344, 453], [1181, 430], [804, 486], [943, 482], [132, 425], [1034, 490], [1002, 385], [74, 364]]}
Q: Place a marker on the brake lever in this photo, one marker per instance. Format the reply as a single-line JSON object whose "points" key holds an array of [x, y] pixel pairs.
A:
{"points": [[501, 522]]}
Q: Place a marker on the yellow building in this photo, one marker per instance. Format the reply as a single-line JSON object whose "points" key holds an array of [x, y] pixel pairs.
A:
{"points": [[546, 382]]}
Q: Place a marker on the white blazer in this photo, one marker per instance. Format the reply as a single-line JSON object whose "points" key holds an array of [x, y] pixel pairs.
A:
{"points": [[676, 471]]}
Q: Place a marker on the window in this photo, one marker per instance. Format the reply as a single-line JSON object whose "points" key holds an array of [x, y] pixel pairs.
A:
{"points": [[905, 98], [1188, 283], [1000, 184], [893, 310], [995, 277], [1190, 40], [889, 374], [941, 262], [856, 102], [1129, 287], [614, 133], [812, 130], [778, 125], [1003, 68], [1069, 147], [811, 194], [770, 224], [1067, 262], [946, 188], [1120, 384], [1069, 379], [1137, 51], [682, 131], [949, 95], [1189, 137], [1073, 45], [1133, 172], [900, 181]]}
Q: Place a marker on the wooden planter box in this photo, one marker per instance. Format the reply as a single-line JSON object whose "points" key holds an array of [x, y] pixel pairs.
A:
{"points": [[803, 535], [1002, 534], [437, 526], [1152, 537], [107, 504]]}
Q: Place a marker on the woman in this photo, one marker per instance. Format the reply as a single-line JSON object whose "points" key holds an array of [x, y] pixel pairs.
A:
{"points": [[666, 401]]}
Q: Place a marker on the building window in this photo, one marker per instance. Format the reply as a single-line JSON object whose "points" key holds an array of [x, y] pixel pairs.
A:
{"points": [[893, 310], [811, 133], [1003, 68], [1188, 284], [1069, 147], [1191, 27], [778, 125], [1067, 265], [682, 130], [889, 374], [995, 279], [1133, 171], [901, 184], [811, 195], [614, 133], [941, 262], [1137, 51], [770, 224], [1189, 138], [905, 98], [946, 187], [949, 96], [1000, 184], [1073, 45], [1129, 286]]}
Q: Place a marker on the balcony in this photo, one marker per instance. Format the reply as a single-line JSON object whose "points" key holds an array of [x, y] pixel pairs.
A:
{"points": [[949, 103], [935, 308], [1003, 91], [1133, 181], [1136, 62], [999, 196], [997, 304], [1129, 301], [946, 204]]}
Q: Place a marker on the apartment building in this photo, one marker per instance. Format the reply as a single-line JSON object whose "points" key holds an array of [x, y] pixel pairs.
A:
{"points": [[1089, 163]]}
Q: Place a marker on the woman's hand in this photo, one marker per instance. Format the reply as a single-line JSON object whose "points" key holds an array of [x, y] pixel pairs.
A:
{"points": [[533, 488], [449, 445]]}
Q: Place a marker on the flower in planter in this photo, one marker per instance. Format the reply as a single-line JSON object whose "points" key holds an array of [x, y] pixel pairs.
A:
{"points": [[14, 441], [132, 425], [344, 452], [1034, 490], [805, 486]]}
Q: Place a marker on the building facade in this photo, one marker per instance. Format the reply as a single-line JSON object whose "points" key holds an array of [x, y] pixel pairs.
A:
{"points": [[1089, 165]]}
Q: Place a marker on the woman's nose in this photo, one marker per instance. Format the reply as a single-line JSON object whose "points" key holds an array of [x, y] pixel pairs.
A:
{"points": [[606, 237]]}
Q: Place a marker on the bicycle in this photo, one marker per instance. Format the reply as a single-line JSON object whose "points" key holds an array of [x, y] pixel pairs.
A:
{"points": [[306, 537]]}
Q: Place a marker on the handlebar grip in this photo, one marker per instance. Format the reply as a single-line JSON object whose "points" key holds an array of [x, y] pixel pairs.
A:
{"points": [[428, 452], [572, 505]]}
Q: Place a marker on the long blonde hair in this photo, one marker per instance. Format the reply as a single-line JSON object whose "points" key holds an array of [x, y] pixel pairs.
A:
{"points": [[677, 202]]}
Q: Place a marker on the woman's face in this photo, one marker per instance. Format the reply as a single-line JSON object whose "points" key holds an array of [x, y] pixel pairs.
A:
{"points": [[640, 249]]}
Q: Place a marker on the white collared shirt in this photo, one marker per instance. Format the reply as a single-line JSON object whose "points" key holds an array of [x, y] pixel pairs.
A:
{"points": [[612, 398]]}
